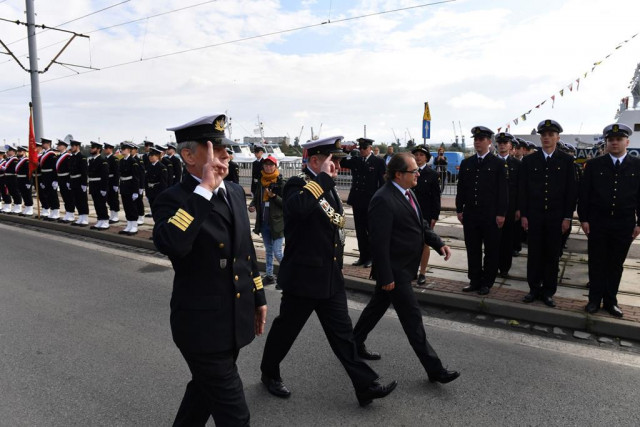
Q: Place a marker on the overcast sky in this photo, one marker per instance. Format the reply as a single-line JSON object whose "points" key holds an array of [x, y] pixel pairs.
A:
{"points": [[476, 62]]}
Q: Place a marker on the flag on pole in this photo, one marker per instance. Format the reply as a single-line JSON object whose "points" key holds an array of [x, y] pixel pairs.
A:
{"points": [[426, 122], [33, 155]]}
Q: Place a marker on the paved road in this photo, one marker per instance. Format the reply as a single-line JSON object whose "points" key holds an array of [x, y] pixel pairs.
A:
{"points": [[84, 340]]}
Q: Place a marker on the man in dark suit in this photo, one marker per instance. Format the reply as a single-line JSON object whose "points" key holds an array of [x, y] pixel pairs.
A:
{"points": [[175, 162], [609, 212], [427, 191], [547, 197], [218, 304], [367, 175], [512, 219], [157, 176], [311, 273], [397, 240], [481, 205]]}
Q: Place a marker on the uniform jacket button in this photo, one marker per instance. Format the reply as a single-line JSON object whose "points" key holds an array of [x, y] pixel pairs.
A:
{"points": [[236, 277], [221, 245], [238, 295]]}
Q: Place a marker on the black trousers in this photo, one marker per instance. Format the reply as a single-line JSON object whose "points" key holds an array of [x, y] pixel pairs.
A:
{"points": [[336, 323], [410, 315], [608, 244], [25, 193], [67, 194], [361, 219], [44, 201], [140, 205], [481, 230], [99, 202], [507, 240], [12, 185], [518, 236], [129, 205], [80, 198], [544, 239], [4, 190], [48, 194], [215, 390], [112, 198]]}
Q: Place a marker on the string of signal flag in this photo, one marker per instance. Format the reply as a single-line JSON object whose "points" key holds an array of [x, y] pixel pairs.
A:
{"points": [[570, 86]]}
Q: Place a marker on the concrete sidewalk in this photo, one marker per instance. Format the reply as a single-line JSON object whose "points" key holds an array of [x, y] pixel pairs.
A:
{"points": [[445, 280]]}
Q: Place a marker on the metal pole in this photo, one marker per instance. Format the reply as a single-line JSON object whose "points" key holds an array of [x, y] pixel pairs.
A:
{"points": [[33, 70]]}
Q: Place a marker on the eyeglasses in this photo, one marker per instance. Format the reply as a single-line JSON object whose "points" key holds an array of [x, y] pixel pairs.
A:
{"points": [[415, 171]]}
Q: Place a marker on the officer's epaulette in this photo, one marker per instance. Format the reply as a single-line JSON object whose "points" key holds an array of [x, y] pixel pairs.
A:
{"points": [[304, 176]]}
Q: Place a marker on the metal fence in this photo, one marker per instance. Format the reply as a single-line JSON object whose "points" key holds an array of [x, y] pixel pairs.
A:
{"points": [[343, 180]]}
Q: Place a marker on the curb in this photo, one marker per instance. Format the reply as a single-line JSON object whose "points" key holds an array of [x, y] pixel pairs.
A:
{"points": [[541, 315]]}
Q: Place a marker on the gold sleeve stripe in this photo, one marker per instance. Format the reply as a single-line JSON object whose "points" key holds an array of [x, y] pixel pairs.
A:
{"points": [[258, 282], [185, 214], [182, 218], [181, 221], [177, 224], [314, 188]]}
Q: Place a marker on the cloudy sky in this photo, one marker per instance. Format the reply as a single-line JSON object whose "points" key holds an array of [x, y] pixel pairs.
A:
{"points": [[475, 61]]}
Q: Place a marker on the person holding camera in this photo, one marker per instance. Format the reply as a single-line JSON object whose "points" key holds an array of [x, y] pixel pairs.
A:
{"points": [[267, 202]]}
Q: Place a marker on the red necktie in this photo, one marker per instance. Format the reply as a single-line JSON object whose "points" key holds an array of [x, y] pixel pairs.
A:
{"points": [[413, 204]]}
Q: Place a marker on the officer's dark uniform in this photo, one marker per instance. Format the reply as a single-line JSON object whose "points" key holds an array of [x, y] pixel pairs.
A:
{"points": [[482, 196], [23, 180], [48, 161], [98, 173], [610, 203], [114, 181], [367, 175], [256, 169], [11, 180], [547, 196], [176, 163], [511, 226], [216, 287], [79, 179], [145, 155], [139, 202], [4, 191], [63, 166], [234, 170], [129, 183], [157, 178], [168, 164], [311, 272]]}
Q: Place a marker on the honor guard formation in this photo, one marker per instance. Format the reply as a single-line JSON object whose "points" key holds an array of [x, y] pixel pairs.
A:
{"points": [[506, 196]]}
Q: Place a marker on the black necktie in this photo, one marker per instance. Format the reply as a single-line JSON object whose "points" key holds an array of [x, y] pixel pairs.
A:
{"points": [[480, 161], [617, 165], [548, 158], [224, 205]]}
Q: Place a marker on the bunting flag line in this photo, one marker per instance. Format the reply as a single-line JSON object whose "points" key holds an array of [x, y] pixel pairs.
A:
{"points": [[523, 117]]}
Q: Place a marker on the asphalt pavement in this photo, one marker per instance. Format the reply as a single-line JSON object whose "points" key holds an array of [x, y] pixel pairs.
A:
{"points": [[85, 340]]}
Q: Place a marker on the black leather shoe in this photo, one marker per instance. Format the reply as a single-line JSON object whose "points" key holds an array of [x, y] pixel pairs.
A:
{"points": [[548, 301], [470, 288], [268, 280], [443, 376], [422, 279], [592, 308], [275, 387], [367, 264], [366, 354], [614, 310], [375, 391], [516, 254], [358, 263], [529, 298], [483, 291]]}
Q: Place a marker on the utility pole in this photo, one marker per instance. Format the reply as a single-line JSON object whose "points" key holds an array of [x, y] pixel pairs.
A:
{"points": [[36, 100]]}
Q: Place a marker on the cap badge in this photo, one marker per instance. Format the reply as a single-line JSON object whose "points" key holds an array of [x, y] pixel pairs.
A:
{"points": [[547, 123], [219, 125], [616, 128]]}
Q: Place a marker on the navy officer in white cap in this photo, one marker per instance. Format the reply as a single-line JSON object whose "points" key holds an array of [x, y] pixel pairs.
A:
{"points": [[609, 212], [218, 304], [311, 273]]}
